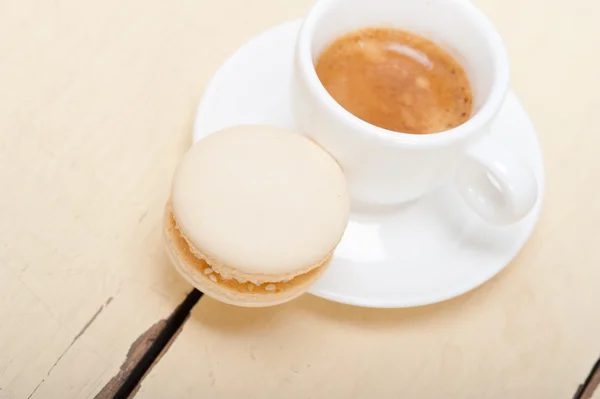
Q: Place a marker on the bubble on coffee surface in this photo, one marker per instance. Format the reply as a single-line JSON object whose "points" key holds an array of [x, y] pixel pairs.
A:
{"points": [[413, 53]]}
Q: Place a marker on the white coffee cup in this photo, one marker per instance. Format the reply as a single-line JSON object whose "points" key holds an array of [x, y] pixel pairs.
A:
{"points": [[385, 167]]}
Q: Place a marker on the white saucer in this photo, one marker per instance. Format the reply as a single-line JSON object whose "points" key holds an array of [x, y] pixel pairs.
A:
{"points": [[424, 252]]}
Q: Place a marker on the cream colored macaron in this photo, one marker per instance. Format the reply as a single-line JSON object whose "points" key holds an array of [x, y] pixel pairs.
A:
{"points": [[255, 215]]}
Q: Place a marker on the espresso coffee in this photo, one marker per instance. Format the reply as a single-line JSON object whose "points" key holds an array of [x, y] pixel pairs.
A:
{"points": [[396, 80]]}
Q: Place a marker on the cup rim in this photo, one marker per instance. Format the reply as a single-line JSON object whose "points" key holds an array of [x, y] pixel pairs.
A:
{"points": [[477, 122]]}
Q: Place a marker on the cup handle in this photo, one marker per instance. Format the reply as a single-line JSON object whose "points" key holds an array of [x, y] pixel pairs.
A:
{"points": [[496, 183]]}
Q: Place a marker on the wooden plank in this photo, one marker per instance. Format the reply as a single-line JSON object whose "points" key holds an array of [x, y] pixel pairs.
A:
{"points": [[528, 333], [96, 106]]}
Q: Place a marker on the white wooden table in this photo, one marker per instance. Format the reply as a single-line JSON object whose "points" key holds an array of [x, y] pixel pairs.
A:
{"points": [[97, 100]]}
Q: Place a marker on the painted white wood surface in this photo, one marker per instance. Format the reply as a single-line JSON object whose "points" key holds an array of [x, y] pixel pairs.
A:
{"points": [[96, 104], [532, 332]]}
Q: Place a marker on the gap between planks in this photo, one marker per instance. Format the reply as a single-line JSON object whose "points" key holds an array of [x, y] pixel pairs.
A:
{"points": [[151, 345], [591, 383], [146, 350]]}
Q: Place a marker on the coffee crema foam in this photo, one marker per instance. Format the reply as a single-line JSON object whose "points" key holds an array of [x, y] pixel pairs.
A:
{"points": [[396, 80]]}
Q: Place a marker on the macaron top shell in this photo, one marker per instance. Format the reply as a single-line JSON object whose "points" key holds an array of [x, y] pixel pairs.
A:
{"points": [[260, 200]]}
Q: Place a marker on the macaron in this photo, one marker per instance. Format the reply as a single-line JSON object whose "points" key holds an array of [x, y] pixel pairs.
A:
{"points": [[255, 214]]}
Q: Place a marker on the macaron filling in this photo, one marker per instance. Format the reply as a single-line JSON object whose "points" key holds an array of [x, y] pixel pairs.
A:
{"points": [[251, 285]]}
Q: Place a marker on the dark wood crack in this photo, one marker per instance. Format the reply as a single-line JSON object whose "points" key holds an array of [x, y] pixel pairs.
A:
{"points": [[591, 383], [147, 350]]}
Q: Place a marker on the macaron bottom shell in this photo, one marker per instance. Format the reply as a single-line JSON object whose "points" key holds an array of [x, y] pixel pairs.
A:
{"points": [[200, 275]]}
